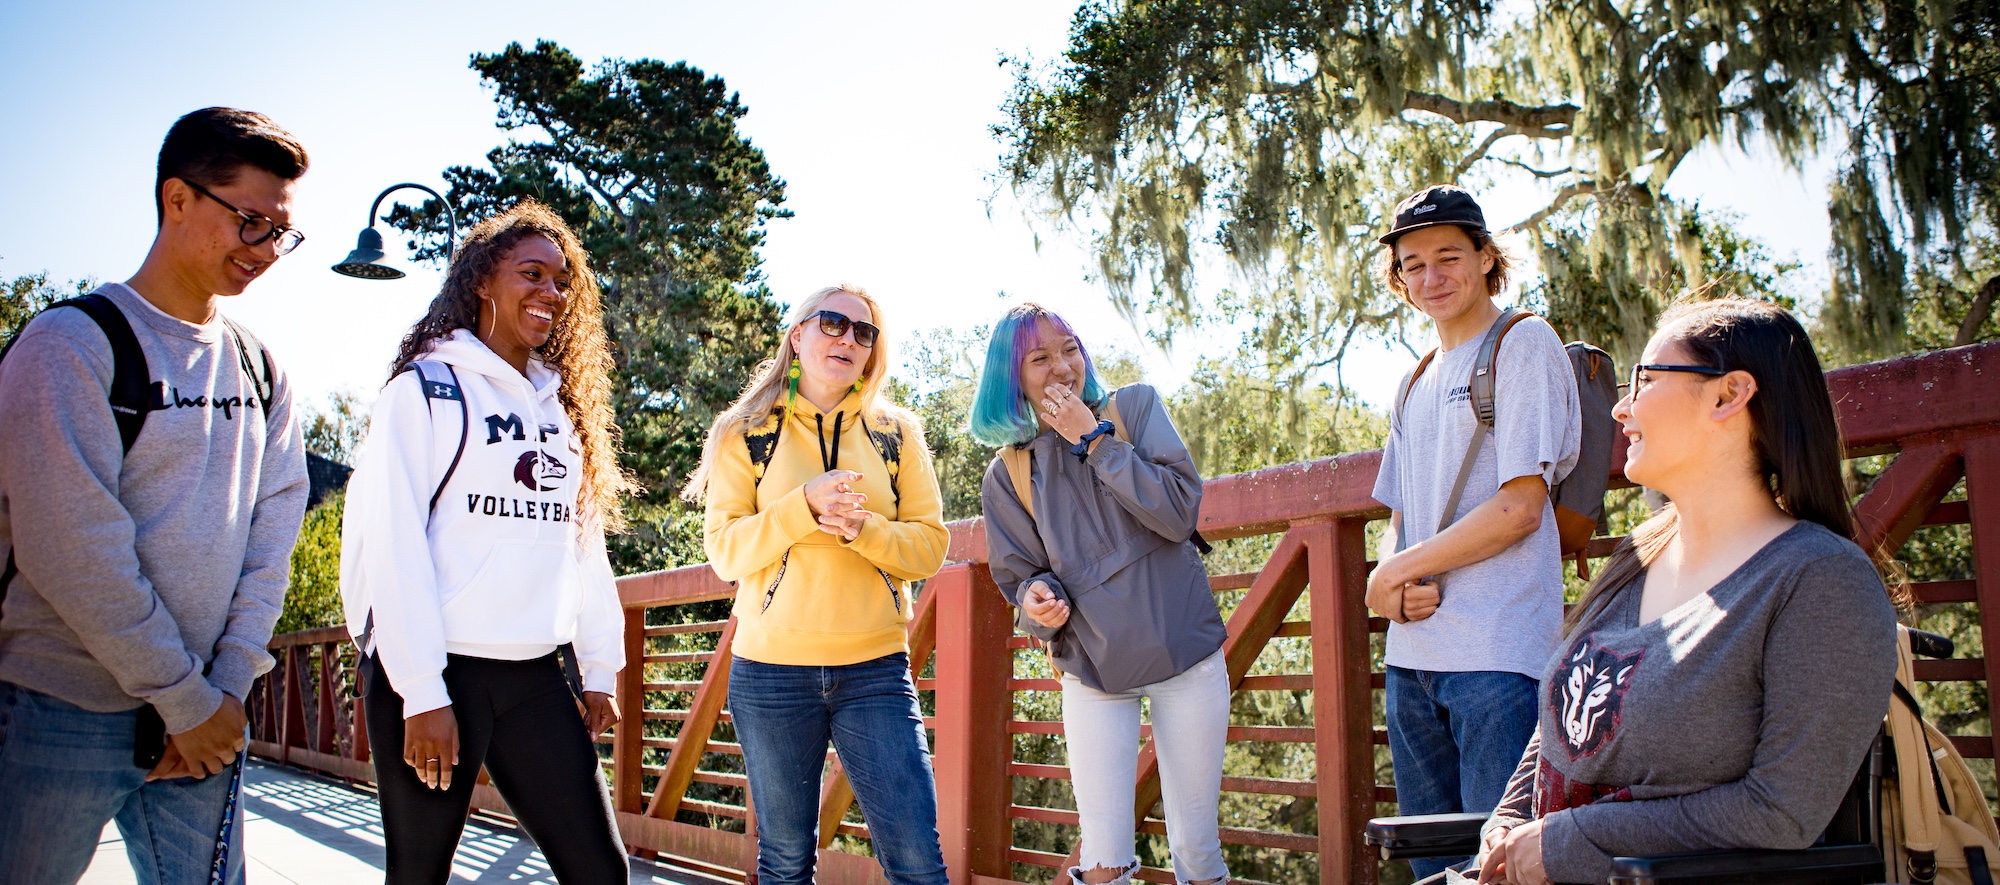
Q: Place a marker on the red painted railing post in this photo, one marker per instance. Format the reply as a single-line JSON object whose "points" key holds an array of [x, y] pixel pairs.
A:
{"points": [[628, 736], [1982, 492], [1343, 711], [974, 704]]}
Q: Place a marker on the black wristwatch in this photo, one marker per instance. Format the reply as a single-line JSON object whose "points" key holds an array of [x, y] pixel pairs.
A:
{"points": [[1082, 447]]}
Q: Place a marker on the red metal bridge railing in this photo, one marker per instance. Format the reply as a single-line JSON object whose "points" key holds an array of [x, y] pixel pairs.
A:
{"points": [[676, 775]]}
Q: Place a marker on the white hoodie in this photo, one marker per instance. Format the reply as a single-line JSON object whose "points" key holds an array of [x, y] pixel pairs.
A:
{"points": [[505, 570]]}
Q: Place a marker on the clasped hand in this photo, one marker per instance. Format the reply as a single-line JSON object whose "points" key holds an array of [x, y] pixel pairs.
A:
{"points": [[1043, 606], [1395, 594], [836, 504], [208, 748]]}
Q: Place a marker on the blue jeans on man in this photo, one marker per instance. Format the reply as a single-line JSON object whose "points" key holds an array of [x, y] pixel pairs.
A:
{"points": [[786, 715], [66, 771], [1456, 739]]}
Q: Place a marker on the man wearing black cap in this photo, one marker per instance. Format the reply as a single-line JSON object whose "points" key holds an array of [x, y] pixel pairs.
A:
{"points": [[1476, 599]]}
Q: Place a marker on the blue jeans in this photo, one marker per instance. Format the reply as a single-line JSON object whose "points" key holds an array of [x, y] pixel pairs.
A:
{"points": [[66, 771], [784, 717], [1456, 738]]}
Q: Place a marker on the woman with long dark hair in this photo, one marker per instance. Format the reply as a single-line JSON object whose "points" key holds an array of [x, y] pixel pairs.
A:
{"points": [[473, 549], [821, 503], [1721, 680], [1090, 533]]}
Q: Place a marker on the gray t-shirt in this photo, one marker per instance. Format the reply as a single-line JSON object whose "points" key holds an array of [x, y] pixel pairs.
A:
{"points": [[1734, 720], [1501, 613]]}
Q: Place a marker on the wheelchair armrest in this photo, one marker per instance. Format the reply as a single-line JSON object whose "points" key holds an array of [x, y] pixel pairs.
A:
{"points": [[1425, 835], [1764, 867]]}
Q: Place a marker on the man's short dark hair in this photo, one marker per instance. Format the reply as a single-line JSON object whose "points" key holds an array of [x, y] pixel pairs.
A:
{"points": [[209, 146]]}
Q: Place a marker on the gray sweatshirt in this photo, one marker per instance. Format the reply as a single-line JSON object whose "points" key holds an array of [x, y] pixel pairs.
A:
{"points": [[1736, 720], [138, 571], [1112, 541]]}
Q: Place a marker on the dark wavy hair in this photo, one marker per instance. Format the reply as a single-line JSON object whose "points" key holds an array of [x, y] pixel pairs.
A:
{"points": [[210, 146], [577, 347], [1794, 435]]}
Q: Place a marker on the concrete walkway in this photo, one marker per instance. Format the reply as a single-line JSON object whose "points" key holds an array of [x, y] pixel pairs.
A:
{"points": [[304, 829]]}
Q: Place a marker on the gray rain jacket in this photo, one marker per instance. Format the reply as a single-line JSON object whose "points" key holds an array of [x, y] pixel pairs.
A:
{"points": [[1112, 542]]}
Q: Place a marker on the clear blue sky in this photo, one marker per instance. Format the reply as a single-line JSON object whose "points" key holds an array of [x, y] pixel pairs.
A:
{"points": [[874, 113]]}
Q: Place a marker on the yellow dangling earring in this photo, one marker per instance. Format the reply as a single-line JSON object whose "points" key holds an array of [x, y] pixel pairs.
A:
{"points": [[858, 384], [792, 396]]}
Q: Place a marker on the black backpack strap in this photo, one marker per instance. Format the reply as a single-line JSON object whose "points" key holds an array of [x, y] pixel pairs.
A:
{"points": [[762, 441], [889, 444], [131, 382], [263, 379], [435, 388]]}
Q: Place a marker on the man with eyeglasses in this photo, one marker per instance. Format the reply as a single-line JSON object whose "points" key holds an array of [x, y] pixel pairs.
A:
{"points": [[148, 539], [1473, 580]]}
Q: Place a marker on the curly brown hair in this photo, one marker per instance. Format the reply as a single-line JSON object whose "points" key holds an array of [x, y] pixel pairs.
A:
{"points": [[577, 348]]}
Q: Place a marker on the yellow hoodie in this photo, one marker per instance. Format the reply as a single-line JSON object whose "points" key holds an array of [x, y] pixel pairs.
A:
{"points": [[805, 597]]}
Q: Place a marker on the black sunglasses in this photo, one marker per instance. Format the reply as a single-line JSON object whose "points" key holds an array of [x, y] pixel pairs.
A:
{"points": [[1636, 387], [256, 228], [836, 324]]}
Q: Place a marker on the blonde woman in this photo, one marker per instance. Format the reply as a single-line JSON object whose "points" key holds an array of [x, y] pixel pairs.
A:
{"points": [[822, 505]]}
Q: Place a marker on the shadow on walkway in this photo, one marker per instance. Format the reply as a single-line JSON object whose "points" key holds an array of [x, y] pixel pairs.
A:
{"points": [[303, 829]]}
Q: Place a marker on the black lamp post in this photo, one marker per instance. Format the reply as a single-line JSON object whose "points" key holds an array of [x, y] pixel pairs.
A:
{"points": [[365, 261]]}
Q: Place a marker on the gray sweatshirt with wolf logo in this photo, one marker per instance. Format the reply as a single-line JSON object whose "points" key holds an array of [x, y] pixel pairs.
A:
{"points": [[153, 576], [1736, 720]]}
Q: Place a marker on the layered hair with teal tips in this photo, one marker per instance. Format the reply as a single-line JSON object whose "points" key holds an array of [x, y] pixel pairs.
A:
{"points": [[1001, 415]]}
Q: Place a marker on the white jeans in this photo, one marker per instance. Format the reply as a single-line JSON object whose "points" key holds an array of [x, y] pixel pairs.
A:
{"points": [[1190, 728]]}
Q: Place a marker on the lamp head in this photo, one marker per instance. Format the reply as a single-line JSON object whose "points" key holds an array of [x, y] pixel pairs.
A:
{"points": [[365, 261]]}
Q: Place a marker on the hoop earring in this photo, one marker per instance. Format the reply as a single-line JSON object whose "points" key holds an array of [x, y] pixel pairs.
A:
{"points": [[792, 396], [496, 320]]}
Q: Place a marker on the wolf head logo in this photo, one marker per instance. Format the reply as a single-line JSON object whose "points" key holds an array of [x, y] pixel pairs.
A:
{"points": [[1590, 696], [534, 468]]}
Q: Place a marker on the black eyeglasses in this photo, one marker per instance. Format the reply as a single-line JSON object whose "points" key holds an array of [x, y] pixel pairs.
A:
{"points": [[836, 324], [1636, 387], [256, 228]]}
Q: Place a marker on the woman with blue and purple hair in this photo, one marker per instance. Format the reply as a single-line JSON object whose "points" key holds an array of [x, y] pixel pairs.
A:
{"points": [[1091, 507]]}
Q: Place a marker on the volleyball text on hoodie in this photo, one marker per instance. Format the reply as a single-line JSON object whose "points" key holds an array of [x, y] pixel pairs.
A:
{"points": [[152, 576], [506, 567]]}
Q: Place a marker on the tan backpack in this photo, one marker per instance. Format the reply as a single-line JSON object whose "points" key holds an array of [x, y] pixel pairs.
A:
{"points": [[1935, 823]]}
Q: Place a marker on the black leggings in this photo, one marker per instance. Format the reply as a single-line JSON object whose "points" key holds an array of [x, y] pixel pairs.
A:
{"points": [[518, 719]]}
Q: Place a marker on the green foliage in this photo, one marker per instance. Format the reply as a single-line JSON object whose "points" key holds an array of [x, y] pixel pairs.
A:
{"points": [[313, 600], [1279, 134], [336, 431], [644, 160], [24, 296], [943, 372]]}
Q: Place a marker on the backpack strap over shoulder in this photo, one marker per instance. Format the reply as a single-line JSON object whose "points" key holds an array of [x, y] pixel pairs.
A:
{"points": [[1410, 380], [1020, 466], [1482, 407], [130, 396], [263, 379], [762, 441], [439, 381], [888, 443]]}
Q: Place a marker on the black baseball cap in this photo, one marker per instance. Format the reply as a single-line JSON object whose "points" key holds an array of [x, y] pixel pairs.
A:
{"points": [[1432, 206]]}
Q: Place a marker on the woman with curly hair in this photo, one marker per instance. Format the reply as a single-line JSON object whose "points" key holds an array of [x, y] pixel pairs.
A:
{"points": [[821, 503], [473, 550]]}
